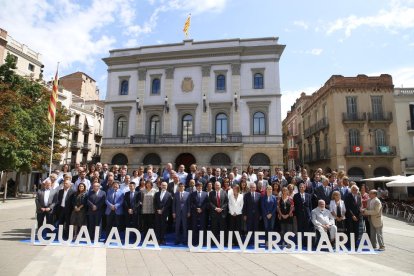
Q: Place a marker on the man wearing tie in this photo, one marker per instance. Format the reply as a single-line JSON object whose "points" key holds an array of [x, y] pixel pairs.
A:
{"points": [[219, 203], [199, 201], [303, 208], [162, 206], [181, 212], [172, 189], [324, 192], [46, 200], [217, 177], [251, 209], [64, 206], [353, 204], [96, 204], [192, 175], [129, 206], [114, 209]]}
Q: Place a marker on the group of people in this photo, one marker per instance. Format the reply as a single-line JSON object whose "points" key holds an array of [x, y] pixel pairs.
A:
{"points": [[207, 199]]}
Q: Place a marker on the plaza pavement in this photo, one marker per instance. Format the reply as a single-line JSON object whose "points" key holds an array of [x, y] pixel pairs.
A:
{"points": [[18, 258]]}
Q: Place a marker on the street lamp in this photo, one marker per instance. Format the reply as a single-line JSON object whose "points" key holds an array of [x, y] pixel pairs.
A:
{"points": [[166, 106], [235, 101], [138, 105], [204, 103]]}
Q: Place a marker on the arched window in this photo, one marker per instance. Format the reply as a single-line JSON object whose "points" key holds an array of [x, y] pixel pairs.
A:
{"points": [[119, 159], [156, 86], [259, 159], [152, 159], [155, 128], [124, 87], [221, 127], [187, 127], [258, 81], [121, 127], [221, 83], [353, 137], [380, 138], [220, 159], [259, 124]]}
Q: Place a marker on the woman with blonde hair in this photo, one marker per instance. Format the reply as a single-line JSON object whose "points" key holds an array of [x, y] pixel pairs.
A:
{"points": [[338, 210]]}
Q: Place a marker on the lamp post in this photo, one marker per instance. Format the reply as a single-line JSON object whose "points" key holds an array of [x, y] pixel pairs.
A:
{"points": [[235, 102], [138, 105], [204, 102], [166, 106]]}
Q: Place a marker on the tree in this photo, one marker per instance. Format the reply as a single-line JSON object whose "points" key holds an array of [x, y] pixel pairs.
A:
{"points": [[25, 132]]}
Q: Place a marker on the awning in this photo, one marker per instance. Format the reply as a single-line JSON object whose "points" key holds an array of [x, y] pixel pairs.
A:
{"points": [[402, 182]]}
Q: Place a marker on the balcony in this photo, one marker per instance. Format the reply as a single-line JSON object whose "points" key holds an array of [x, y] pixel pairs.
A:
{"points": [[87, 130], [354, 117], [317, 156], [77, 126], [409, 163], [76, 145], [98, 132], [410, 126], [386, 151], [86, 147], [322, 124], [384, 117]]}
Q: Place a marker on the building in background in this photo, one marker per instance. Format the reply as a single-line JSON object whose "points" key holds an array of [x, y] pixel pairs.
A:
{"points": [[209, 102], [28, 61], [348, 124]]}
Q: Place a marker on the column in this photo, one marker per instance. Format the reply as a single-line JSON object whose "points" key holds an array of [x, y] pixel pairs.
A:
{"points": [[235, 84], [140, 124], [169, 80], [205, 126]]}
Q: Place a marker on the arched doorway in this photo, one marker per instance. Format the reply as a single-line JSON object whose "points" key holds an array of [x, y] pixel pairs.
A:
{"points": [[119, 159], [260, 160], [356, 174], [186, 159], [220, 159], [382, 171], [152, 159]]}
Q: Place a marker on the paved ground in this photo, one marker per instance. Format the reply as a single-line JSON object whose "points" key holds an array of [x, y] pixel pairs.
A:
{"points": [[17, 216]]}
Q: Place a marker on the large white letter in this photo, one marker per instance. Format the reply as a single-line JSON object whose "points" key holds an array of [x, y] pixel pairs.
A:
{"points": [[362, 245], [324, 243], [127, 235], [33, 234], [211, 237], [97, 234], [309, 236], [83, 231], [289, 242], [60, 235], [258, 241], [230, 240], [51, 236], [273, 243], [110, 239], [340, 244], [153, 241], [200, 240], [243, 246]]}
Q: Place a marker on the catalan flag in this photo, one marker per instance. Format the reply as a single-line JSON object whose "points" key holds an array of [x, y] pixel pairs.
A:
{"points": [[53, 100], [187, 25]]}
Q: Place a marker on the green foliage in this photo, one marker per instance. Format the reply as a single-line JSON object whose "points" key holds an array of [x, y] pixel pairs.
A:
{"points": [[25, 132]]}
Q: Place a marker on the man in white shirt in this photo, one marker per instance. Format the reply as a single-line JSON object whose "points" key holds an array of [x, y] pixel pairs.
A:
{"points": [[237, 176], [323, 220], [82, 179], [182, 175]]}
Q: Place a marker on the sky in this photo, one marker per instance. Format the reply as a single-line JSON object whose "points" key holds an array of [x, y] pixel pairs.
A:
{"points": [[322, 37]]}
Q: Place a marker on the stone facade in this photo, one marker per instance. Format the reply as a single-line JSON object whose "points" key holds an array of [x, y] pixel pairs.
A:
{"points": [[349, 124], [80, 84], [195, 102]]}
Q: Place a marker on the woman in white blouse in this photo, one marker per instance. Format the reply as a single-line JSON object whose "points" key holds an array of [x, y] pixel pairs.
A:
{"points": [[235, 209], [338, 210], [251, 176]]}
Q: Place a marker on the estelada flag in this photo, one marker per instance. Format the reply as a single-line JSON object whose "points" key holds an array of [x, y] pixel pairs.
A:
{"points": [[53, 100], [356, 149]]}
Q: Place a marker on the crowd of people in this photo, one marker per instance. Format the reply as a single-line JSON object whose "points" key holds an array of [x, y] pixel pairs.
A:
{"points": [[205, 198]]}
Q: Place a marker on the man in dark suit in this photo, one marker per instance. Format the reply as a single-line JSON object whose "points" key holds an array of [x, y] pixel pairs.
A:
{"points": [[251, 209], [172, 189], [114, 207], [104, 172], [219, 204], [353, 204], [342, 187], [181, 212], [303, 209], [192, 175], [217, 177], [324, 192], [64, 206], [162, 206], [131, 218], [199, 202], [96, 204], [46, 199]]}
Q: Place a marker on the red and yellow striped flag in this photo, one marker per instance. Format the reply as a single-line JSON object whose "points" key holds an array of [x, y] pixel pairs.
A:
{"points": [[187, 25], [53, 100]]}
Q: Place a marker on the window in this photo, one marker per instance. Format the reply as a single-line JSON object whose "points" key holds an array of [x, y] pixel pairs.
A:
{"points": [[221, 83], [258, 81], [31, 67], [353, 138], [221, 127], [155, 128], [124, 87], [259, 126], [376, 102], [351, 106], [156, 86], [380, 138], [121, 129], [326, 146], [187, 127]]}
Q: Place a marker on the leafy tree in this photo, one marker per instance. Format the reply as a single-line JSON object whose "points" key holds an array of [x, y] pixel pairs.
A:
{"points": [[25, 132]]}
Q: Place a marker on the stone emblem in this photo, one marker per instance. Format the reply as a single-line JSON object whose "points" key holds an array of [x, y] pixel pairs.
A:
{"points": [[187, 85]]}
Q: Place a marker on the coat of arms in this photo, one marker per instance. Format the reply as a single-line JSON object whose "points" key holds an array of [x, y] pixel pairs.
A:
{"points": [[187, 85]]}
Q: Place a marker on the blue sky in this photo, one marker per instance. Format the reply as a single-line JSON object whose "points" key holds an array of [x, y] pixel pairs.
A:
{"points": [[322, 37]]}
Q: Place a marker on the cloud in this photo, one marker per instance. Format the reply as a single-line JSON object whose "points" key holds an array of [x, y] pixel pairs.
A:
{"points": [[314, 52], [289, 98], [301, 24], [399, 16], [401, 77]]}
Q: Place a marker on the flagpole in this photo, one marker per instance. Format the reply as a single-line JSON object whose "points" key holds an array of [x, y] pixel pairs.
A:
{"points": [[53, 126]]}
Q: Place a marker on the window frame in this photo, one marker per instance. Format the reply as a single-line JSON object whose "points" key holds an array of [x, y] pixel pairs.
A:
{"points": [[154, 78], [124, 126], [123, 80], [222, 136], [264, 123]]}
